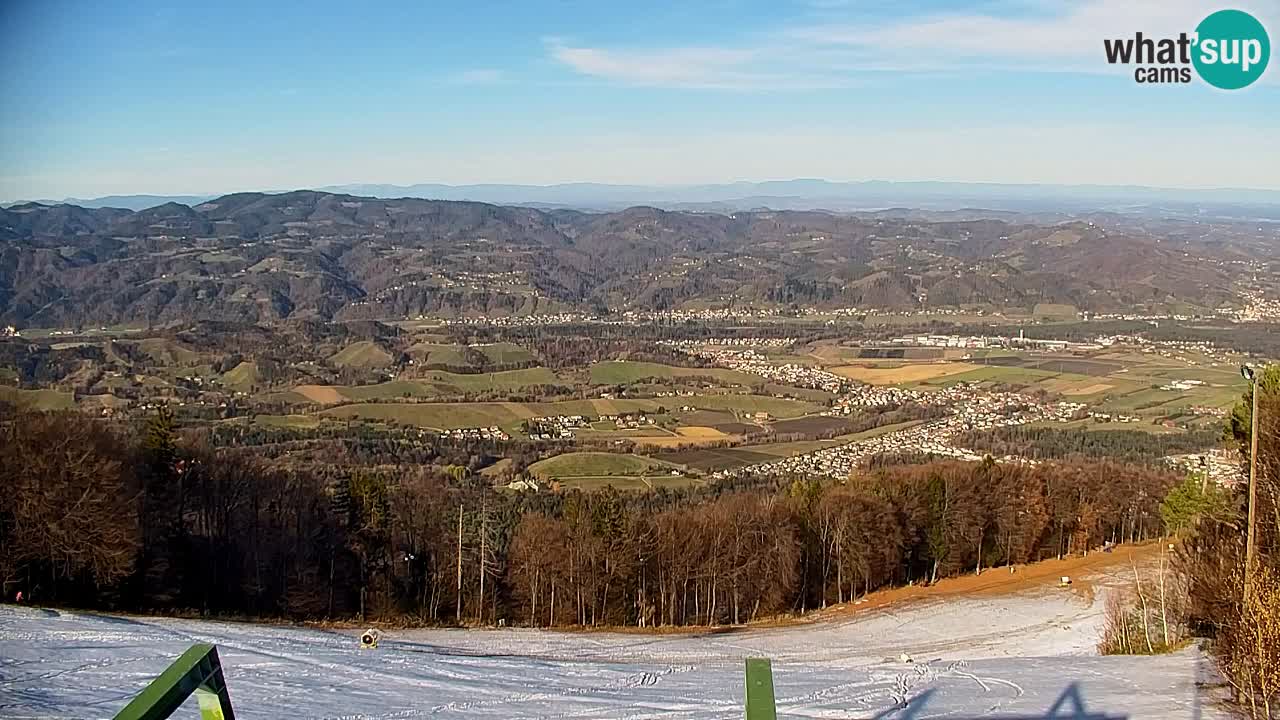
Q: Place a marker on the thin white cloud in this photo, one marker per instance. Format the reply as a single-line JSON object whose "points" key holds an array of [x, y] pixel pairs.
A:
{"points": [[689, 67], [1075, 31], [1030, 36]]}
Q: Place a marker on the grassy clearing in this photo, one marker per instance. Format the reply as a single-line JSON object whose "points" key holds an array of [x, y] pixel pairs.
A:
{"points": [[628, 434], [167, 352], [508, 415], [38, 399], [598, 464], [630, 484], [392, 390], [777, 407], [438, 416], [298, 422], [700, 432], [319, 394], [364, 354], [497, 468], [810, 394], [436, 384], [994, 373], [433, 354], [621, 372], [242, 377], [506, 380], [448, 416], [504, 353], [1055, 311]]}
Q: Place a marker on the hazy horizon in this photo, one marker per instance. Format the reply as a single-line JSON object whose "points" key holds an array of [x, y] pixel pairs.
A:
{"points": [[839, 189], [110, 99]]}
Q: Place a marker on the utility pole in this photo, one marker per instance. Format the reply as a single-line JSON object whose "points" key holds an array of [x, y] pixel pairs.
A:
{"points": [[484, 531], [458, 612], [1253, 376]]}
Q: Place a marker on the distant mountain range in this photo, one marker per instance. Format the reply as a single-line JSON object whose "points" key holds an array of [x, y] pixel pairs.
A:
{"points": [[325, 256], [805, 194]]}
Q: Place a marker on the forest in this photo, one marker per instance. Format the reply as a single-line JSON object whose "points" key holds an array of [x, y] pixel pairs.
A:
{"points": [[147, 519], [1057, 443]]}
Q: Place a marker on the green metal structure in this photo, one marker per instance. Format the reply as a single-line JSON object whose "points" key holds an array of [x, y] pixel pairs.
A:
{"points": [[760, 704], [196, 671]]}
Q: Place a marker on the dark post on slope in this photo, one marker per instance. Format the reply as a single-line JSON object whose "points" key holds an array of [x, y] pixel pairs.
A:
{"points": [[1252, 376], [197, 671]]}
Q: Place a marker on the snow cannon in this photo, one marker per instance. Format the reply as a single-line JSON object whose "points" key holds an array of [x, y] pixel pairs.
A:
{"points": [[1064, 582], [369, 639]]}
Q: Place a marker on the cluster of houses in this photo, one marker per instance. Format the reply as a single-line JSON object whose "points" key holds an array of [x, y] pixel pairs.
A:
{"points": [[493, 432], [1165, 348], [1257, 308], [736, 313], [750, 361], [556, 427], [991, 341], [750, 342], [565, 318], [984, 411], [1182, 385], [1104, 417], [628, 421], [970, 408], [1222, 467]]}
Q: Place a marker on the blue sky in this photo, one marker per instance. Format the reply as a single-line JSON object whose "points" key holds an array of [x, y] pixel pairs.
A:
{"points": [[145, 97]]}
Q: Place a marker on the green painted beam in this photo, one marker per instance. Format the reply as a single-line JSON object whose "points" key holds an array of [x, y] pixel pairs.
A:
{"points": [[760, 705], [197, 671]]}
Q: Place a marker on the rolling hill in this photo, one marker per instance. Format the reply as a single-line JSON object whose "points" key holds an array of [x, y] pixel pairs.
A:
{"points": [[310, 255]]}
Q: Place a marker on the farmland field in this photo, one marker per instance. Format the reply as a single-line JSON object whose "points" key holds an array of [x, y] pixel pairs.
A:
{"points": [[1013, 375], [446, 416], [434, 354], [435, 384], [506, 380], [912, 373], [362, 354], [1063, 364], [712, 459], [809, 394], [242, 377], [811, 425], [621, 372], [778, 407], [597, 464], [37, 399], [504, 353]]}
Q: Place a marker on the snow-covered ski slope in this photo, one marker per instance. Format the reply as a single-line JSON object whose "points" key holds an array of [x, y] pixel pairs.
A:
{"points": [[1023, 656]]}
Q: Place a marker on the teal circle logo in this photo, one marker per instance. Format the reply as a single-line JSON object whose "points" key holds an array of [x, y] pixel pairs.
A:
{"points": [[1232, 49]]}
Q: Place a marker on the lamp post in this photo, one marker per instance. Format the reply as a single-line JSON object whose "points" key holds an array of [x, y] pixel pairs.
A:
{"points": [[1252, 376]]}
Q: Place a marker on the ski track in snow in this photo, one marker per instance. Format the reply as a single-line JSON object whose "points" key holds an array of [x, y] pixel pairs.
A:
{"points": [[1015, 656]]}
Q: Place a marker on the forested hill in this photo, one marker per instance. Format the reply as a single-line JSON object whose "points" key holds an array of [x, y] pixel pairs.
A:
{"points": [[326, 256]]}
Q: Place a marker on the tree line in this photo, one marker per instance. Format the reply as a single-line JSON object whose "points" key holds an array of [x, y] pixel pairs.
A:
{"points": [[1238, 607], [1057, 443], [144, 521]]}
